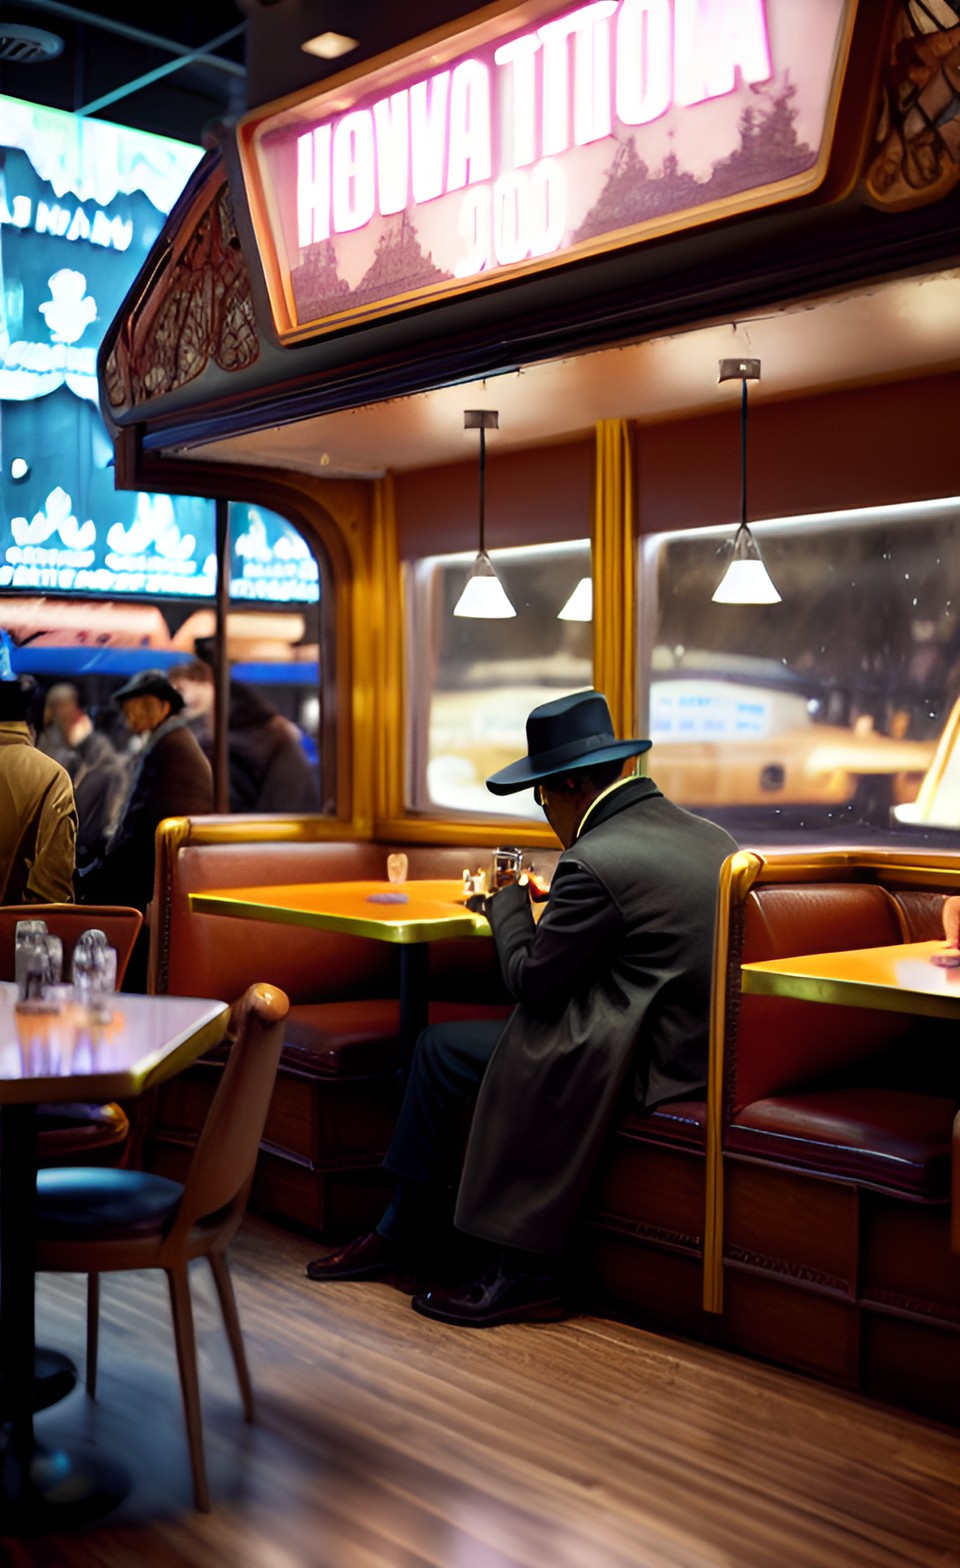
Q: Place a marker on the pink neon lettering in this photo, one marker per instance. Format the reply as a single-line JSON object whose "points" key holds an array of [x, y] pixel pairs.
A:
{"points": [[469, 125], [644, 63], [712, 39], [547, 207], [353, 186], [591, 74], [313, 186], [519, 127], [428, 135], [558, 86], [391, 120]]}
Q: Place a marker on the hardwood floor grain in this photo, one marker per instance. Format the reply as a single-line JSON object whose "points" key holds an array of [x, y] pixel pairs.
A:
{"points": [[384, 1440]]}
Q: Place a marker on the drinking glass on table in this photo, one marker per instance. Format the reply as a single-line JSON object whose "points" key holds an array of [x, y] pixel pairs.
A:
{"points": [[26, 937], [39, 964], [94, 971], [397, 868]]}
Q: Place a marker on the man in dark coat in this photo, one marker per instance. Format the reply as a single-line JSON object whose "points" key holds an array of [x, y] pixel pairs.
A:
{"points": [[38, 818], [170, 777], [612, 987]]}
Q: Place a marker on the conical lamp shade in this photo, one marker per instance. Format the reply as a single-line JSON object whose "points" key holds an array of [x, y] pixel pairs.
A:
{"points": [[746, 579], [484, 596], [579, 606]]}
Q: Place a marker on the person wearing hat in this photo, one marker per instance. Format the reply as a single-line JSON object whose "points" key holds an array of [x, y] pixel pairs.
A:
{"points": [[612, 992], [38, 817], [170, 777]]}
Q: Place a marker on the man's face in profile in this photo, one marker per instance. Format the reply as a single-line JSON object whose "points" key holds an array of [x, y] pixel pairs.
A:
{"points": [[144, 713]]}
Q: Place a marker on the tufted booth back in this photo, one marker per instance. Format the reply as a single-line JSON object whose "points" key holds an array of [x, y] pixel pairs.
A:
{"points": [[210, 955], [781, 1043]]}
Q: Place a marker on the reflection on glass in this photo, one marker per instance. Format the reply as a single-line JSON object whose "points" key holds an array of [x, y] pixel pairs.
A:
{"points": [[819, 713], [473, 682]]}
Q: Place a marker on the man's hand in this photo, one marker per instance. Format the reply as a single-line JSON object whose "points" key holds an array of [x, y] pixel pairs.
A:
{"points": [[951, 921]]}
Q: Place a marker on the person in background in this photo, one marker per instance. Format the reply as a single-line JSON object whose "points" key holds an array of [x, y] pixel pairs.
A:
{"points": [[612, 992], [169, 777], [97, 770], [269, 770], [38, 819]]}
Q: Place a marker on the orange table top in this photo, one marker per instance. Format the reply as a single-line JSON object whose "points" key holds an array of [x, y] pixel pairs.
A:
{"points": [[899, 979], [62, 1056], [414, 911]]}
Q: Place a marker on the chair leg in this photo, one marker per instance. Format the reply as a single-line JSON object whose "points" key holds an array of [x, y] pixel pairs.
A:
{"points": [[93, 1332], [231, 1322], [182, 1313]]}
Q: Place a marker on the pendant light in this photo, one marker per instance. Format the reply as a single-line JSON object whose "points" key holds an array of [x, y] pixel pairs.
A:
{"points": [[483, 597], [579, 606], [746, 579]]}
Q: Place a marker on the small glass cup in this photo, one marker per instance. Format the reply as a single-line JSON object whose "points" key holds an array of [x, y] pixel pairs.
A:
{"points": [[26, 937], [95, 978], [88, 943], [39, 966], [397, 867], [505, 867]]}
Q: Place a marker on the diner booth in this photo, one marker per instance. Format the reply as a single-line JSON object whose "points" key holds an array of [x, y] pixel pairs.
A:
{"points": [[488, 280]]}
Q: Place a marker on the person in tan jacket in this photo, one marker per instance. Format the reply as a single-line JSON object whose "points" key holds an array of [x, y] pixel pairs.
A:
{"points": [[38, 816]]}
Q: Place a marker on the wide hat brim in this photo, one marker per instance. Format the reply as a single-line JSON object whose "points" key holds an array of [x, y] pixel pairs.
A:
{"points": [[150, 683], [533, 770], [570, 733]]}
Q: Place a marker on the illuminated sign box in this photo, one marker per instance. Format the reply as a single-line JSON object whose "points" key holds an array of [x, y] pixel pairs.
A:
{"points": [[539, 135]]}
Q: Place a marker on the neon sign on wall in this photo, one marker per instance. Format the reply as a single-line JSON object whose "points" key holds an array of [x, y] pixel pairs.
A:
{"points": [[543, 134]]}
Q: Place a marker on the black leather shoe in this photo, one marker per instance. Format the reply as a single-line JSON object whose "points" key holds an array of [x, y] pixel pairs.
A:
{"points": [[496, 1297], [366, 1257]]}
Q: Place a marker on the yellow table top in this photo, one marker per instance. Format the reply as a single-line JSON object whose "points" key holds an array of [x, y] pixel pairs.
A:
{"points": [[62, 1056], [898, 979], [429, 912]]}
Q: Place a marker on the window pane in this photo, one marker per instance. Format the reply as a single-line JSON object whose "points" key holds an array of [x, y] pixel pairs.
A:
{"points": [[473, 682], [823, 710]]}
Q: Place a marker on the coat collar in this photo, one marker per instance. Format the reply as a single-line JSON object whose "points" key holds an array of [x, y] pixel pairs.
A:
{"points": [[14, 732], [624, 793]]}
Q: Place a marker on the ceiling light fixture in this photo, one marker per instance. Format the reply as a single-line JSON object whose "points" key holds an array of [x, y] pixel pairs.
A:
{"points": [[579, 606], [746, 579], [329, 46], [483, 596]]}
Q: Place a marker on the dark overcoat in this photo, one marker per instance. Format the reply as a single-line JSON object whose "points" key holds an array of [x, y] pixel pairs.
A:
{"points": [[172, 778], [614, 981]]}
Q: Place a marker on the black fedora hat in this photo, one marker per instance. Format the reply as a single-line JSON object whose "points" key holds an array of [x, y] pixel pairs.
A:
{"points": [[150, 683], [569, 733]]}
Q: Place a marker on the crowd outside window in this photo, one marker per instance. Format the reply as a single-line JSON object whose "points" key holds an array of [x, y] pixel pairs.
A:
{"points": [[96, 768], [269, 769], [169, 777]]}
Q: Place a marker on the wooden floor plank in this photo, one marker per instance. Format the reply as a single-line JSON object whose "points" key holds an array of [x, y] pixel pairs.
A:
{"points": [[384, 1440]]}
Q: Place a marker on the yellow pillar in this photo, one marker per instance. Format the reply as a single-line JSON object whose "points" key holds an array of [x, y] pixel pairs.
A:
{"points": [[614, 574]]}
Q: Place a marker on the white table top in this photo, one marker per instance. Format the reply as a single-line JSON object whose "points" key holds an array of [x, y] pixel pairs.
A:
{"points": [[62, 1056]]}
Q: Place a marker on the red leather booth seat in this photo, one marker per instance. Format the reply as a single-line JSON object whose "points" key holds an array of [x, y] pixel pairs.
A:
{"points": [[335, 1097], [836, 1129]]}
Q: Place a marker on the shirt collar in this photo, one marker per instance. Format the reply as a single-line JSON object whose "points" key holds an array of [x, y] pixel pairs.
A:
{"points": [[631, 778]]}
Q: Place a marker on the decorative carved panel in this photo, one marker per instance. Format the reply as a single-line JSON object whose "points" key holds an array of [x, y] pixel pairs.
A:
{"points": [[916, 155], [196, 307]]}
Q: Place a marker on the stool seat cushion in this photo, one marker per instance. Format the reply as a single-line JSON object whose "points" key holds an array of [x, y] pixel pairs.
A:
{"points": [[96, 1203], [881, 1138]]}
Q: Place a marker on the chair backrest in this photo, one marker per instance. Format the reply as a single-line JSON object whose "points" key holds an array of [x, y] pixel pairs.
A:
{"points": [[67, 921], [222, 1167]]}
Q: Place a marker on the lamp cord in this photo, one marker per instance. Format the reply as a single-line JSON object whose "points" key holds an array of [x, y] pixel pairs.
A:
{"points": [[743, 455], [483, 467]]}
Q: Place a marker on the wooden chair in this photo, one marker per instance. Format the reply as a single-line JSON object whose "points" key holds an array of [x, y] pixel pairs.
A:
{"points": [[96, 1221], [68, 1132]]}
